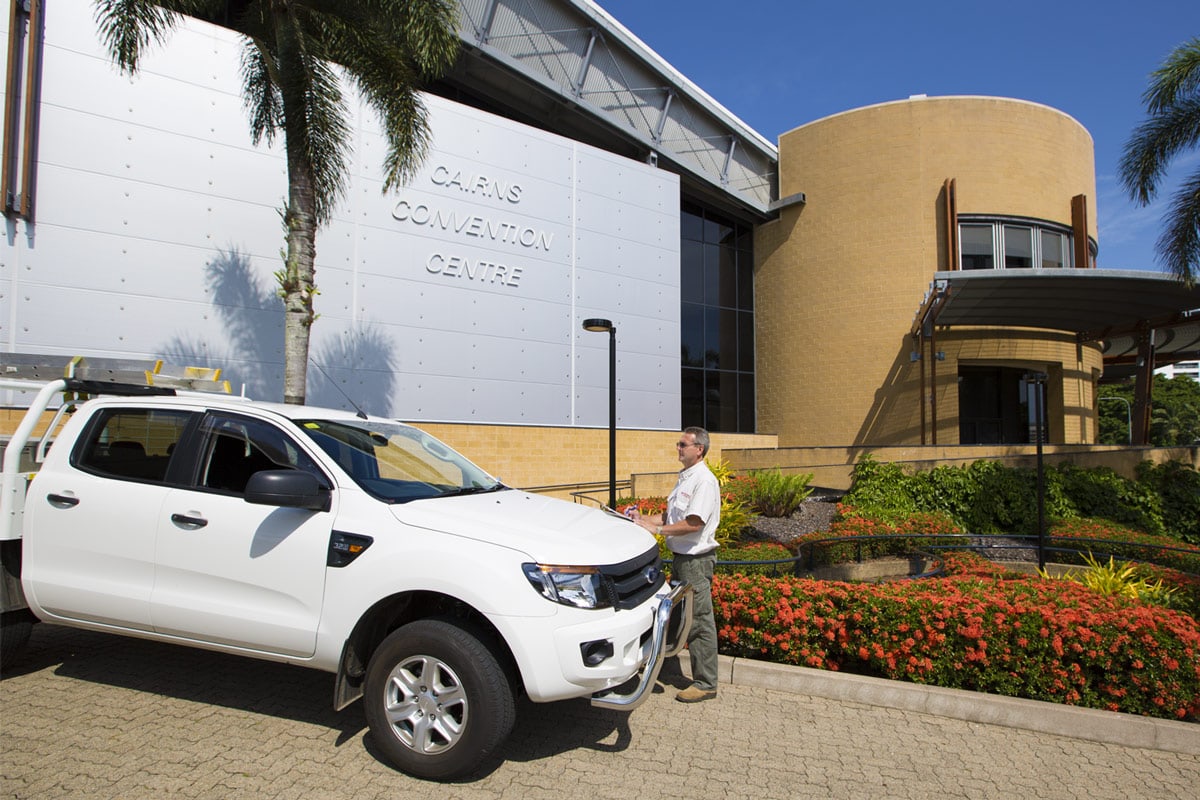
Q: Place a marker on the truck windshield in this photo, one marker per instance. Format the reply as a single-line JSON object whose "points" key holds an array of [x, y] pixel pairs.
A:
{"points": [[396, 463]]}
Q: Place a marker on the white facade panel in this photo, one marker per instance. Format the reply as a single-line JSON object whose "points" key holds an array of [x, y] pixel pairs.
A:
{"points": [[457, 298]]}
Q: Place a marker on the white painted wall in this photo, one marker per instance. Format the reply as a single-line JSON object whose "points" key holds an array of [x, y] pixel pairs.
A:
{"points": [[1190, 369], [457, 299]]}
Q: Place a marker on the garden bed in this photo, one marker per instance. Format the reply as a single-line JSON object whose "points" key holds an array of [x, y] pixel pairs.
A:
{"points": [[980, 628]]}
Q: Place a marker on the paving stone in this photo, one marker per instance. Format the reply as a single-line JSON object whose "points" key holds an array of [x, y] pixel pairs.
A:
{"points": [[91, 715]]}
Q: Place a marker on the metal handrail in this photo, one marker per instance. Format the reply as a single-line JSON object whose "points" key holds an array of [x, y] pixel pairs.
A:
{"points": [[1006, 541], [805, 559], [585, 494]]}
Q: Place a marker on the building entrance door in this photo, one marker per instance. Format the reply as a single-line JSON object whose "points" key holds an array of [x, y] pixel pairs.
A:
{"points": [[994, 406]]}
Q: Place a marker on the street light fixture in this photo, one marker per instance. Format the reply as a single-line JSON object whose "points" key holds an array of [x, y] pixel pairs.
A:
{"points": [[597, 325]]}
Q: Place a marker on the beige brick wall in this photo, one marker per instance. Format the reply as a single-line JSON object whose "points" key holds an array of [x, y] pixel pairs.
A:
{"points": [[532, 457], [839, 280]]}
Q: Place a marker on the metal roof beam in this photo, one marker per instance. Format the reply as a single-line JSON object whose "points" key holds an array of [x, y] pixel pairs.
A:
{"points": [[584, 63], [484, 29], [580, 53]]}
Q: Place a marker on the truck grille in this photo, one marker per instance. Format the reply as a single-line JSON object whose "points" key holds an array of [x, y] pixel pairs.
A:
{"points": [[632, 582]]}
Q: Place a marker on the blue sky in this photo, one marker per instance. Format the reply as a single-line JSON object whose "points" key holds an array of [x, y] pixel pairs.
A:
{"points": [[778, 64]]}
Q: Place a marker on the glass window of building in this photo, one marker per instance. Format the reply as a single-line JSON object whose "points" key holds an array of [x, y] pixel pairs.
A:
{"points": [[1012, 243], [717, 322], [1018, 247], [1055, 254], [975, 242]]}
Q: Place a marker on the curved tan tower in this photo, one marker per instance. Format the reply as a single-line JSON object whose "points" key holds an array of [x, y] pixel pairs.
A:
{"points": [[840, 278]]}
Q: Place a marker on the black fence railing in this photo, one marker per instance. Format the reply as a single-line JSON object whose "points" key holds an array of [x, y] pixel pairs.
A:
{"points": [[1067, 550]]}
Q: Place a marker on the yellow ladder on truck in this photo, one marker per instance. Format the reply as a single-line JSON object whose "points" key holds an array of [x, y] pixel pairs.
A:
{"points": [[41, 368], [75, 378]]}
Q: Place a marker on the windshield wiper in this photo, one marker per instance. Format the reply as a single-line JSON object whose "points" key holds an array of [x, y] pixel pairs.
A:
{"points": [[495, 487]]}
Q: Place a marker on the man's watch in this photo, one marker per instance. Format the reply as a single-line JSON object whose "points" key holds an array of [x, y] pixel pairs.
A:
{"points": [[658, 530]]}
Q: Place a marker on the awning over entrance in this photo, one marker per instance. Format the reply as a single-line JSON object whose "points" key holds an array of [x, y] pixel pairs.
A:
{"points": [[1140, 318], [1178, 343], [1095, 304]]}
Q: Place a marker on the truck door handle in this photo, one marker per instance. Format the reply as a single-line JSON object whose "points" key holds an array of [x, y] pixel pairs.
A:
{"points": [[191, 523], [62, 500]]}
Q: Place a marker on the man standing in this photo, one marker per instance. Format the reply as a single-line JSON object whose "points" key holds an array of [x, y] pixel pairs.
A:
{"points": [[689, 525]]}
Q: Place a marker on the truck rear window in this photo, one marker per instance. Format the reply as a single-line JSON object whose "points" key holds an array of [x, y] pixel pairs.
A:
{"points": [[132, 443]]}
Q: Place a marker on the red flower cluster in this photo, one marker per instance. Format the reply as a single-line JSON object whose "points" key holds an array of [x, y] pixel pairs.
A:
{"points": [[1169, 552], [644, 505], [977, 630]]}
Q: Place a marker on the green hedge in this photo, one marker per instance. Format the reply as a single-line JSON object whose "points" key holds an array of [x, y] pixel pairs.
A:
{"points": [[987, 497]]}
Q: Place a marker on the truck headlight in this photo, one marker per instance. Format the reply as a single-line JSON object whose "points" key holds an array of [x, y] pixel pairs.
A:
{"points": [[581, 587]]}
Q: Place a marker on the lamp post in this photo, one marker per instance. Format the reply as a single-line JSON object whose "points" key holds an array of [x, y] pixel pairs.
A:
{"points": [[1038, 381], [599, 326]]}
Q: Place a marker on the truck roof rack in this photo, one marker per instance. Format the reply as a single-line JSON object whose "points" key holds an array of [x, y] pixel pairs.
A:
{"points": [[90, 375]]}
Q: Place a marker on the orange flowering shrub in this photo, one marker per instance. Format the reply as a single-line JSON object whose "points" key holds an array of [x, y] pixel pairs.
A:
{"points": [[644, 505], [965, 562], [977, 630], [1165, 550]]}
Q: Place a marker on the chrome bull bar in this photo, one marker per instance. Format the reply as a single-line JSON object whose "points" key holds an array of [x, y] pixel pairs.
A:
{"points": [[672, 623]]}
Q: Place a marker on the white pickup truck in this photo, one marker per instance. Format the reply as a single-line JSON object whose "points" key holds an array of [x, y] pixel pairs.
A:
{"points": [[355, 545]]}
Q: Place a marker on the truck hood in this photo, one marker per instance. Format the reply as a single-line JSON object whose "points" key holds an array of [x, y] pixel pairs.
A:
{"points": [[548, 530]]}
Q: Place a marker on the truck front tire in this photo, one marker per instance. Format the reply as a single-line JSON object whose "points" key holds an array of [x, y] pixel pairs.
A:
{"points": [[437, 699]]}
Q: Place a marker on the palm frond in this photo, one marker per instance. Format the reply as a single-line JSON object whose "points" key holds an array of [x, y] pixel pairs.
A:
{"points": [[429, 30], [1179, 243], [1154, 143], [1177, 77], [389, 49], [260, 95], [314, 113], [327, 139], [128, 27]]}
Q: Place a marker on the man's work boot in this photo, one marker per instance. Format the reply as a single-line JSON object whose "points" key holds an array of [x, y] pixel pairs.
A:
{"points": [[694, 694]]}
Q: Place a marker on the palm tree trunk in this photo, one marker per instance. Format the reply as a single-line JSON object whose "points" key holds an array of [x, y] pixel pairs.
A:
{"points": [[300, 218], [296, 284]]}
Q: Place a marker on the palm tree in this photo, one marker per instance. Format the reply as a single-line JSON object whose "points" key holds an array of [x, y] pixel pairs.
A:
{"points": [[1173, 104], [295, 52]]}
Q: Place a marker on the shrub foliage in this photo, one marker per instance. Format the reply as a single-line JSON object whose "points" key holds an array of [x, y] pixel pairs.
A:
{"points": [[977, 630], [895, 535], [986, 497], [771, 493]]}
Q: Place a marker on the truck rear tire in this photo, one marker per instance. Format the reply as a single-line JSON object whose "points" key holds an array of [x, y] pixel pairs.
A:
{"points": [[14, 634], [437, 699]]}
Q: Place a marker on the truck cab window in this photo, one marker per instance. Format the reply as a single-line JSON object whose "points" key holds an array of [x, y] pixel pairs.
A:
{"points": [[235, 449], [131, 443]]}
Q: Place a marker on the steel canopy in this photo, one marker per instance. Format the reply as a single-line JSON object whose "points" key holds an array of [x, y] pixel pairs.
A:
{"points": [[1114, 307]]}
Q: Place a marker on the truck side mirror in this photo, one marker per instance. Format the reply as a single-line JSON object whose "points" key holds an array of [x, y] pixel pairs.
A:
{"points": [[287, 488]]}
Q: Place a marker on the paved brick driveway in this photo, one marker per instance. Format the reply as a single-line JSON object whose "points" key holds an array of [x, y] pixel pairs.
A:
{"points": [[88, 715]]}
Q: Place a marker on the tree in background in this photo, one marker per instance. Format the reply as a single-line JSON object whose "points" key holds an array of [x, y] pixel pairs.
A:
{"points": [[1173, 126], [1174, 415], [296, 54]]}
